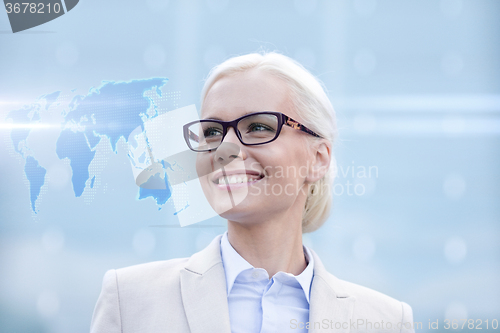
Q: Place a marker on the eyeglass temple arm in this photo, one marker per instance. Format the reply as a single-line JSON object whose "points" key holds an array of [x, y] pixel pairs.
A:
{"points": [[296, 125], [193, 136]]}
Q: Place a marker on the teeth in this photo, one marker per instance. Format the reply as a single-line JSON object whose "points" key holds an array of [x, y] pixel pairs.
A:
{"points": [[237, 179]]}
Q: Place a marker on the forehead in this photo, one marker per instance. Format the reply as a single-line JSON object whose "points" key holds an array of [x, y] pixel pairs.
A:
{"points": [[234, 96]]}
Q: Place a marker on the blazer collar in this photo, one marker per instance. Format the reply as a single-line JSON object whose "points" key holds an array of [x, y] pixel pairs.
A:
{"points": [[330, 302], [203, 288], [204, 294]]}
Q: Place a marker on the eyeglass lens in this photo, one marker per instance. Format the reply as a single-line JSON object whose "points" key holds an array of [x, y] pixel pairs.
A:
{"points": [[260, 128]]}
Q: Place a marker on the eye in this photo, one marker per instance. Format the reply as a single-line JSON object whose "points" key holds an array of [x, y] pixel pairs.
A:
{"points": [[259, 127], [211, 131]]}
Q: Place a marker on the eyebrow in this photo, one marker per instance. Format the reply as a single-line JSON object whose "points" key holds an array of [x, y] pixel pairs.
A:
{"points": [[211, 118], [217, 118]]}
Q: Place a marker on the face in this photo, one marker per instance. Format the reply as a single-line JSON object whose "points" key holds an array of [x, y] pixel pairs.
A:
{"points": [[272, 175]]}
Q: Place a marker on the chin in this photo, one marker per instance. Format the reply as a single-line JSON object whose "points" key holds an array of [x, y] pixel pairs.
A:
{"points": [[243, 216], [240, 204]]}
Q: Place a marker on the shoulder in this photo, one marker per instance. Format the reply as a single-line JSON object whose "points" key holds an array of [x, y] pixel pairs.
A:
{"points": [[141, 298], [152, 268], [367, 297], [371, 306], [158, 276], [149, 275], [149, 291], [147, 297], [365, 303], [144, 280]]}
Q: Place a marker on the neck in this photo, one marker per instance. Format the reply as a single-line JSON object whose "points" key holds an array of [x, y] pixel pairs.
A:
{"points": [[275, 245]]}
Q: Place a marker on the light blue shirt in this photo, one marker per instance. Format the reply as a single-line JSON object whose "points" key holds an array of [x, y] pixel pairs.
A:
{"points": [[259, 304]]}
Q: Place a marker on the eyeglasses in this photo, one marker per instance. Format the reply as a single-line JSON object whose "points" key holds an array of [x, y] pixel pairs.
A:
{"points": [[252, 129]]}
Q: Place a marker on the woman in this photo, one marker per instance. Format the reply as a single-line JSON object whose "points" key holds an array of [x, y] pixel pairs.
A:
{"points": [[269, 123]]}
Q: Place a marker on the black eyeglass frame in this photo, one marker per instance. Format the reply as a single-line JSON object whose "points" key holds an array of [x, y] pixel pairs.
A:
{"points": [[282, 120]]}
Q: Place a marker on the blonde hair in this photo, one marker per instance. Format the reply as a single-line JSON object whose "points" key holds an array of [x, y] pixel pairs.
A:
{"points": [[311, 103]]}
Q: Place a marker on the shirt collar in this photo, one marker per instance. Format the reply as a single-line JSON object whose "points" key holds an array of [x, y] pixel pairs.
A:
{"points": [[234, 264]]}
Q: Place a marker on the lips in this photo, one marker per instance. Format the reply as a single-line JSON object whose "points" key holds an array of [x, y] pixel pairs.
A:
{"points": [[236, 177]]}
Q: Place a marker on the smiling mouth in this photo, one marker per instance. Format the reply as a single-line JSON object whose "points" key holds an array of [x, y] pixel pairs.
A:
{"points": [[238, 179]]}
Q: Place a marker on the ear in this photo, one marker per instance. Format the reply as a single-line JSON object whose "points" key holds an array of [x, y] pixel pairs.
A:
{"points": [[320, 160]]}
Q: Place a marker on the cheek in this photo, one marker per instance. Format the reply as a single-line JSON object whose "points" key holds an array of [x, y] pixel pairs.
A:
{"points": [[288, 165], [204, 164]]}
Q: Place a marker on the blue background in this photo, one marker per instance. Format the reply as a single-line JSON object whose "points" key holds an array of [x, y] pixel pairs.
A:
{"points": [[416, 88]]}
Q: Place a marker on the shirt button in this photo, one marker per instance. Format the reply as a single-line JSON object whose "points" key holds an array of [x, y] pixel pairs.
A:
{"points": [[255, 274]]}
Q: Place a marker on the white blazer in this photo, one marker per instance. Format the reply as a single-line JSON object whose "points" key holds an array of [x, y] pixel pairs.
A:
{"points": [[189, 295]]}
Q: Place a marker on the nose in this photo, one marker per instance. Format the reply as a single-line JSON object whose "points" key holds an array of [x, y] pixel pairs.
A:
{"points": [[225, 154], [228, 150]]}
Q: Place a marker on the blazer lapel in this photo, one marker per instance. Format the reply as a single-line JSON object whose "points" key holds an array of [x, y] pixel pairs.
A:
{"points": [[330, 308], [204, 293]]}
